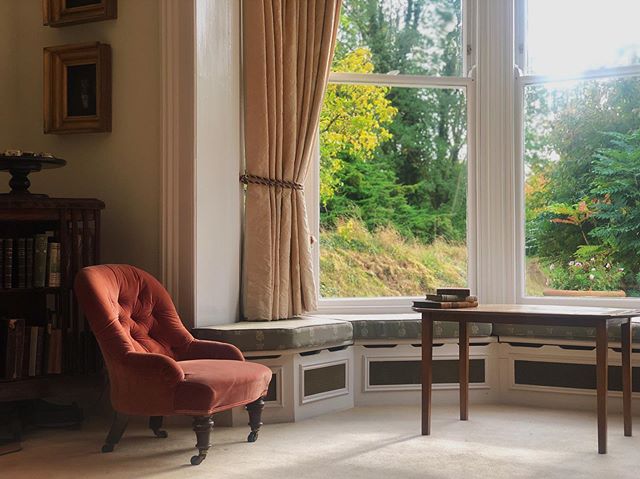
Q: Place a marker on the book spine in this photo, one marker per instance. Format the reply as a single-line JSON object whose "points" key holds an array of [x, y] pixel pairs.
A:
{"points": [[459, 304], [33, 349], [57, 357], [454, 291], [444, 305], [22, 263], [40, 261], [29, 262], [8, 339], [20, 336], [1, 263], [48, 350], [40, 351], [53, 268], [450, 298], [26, 353], [8, 263], [10, 369]]}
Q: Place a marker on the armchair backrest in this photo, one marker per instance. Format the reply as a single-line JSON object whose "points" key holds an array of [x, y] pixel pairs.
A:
{"points": [[129, 311]]}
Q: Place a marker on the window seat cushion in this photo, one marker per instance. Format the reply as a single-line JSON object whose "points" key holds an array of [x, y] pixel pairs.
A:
{"points": [[563, 332], [300, 333], [404, 326]]}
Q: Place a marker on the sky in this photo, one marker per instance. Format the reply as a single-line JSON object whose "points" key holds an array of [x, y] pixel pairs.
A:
{"points": [[569, 36]]}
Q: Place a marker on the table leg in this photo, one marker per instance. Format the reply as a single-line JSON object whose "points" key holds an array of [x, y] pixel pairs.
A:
{"points": [[602, 383], [427, 373], [463, 367], [626, 376]]}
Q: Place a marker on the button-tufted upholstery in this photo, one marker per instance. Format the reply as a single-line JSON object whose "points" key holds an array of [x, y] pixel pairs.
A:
{"points": [[155, 365]]}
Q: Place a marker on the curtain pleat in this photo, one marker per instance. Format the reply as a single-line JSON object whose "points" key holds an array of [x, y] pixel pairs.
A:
{"points": [[288, 47]]}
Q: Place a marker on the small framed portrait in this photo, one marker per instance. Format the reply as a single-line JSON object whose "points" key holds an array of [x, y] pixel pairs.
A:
{"points": [[77, 88], [59, 13]]}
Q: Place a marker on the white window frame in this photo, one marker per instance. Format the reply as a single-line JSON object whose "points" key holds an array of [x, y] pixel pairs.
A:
{"points": [[399, 304], [522, 81]]}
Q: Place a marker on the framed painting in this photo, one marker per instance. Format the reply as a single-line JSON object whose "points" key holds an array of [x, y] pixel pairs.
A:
{"points": [[59, 13], [77, 88]]}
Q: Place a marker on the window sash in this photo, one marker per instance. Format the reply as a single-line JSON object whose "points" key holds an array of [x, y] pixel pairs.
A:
{"points": [[395, 304], [522, 82]]}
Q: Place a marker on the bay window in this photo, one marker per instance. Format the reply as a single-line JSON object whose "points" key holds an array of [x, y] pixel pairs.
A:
{"points": [[432, 172]]}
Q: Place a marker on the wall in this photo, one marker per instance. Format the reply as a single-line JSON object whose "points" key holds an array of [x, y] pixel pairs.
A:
{"points": [[218, 154], [122, 168], [7, 77]]}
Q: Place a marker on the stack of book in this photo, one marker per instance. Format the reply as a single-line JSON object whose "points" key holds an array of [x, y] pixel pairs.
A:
{"points": [[448, 298], [31, 262], [27, 351]]}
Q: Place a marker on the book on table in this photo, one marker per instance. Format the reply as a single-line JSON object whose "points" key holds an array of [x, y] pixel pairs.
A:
{"points": [[448, 298]]}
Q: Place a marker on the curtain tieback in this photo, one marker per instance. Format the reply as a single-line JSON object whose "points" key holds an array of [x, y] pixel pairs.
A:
{"points": [[261, 180]]}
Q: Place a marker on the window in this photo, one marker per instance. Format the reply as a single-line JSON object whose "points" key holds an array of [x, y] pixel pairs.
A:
{"points": [[394, 151], [580, 147]]}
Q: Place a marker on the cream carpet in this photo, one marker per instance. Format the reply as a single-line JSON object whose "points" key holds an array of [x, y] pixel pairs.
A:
{"points": [[498, 442]]}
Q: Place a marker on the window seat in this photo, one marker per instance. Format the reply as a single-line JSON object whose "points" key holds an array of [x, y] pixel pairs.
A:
{"points": [[404, 326], [562, 332], [290, 334], [328, 331], [336, 330]]}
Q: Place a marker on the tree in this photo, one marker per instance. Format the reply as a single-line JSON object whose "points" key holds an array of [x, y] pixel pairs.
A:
{"points": [[419, 163], [352, 123]]}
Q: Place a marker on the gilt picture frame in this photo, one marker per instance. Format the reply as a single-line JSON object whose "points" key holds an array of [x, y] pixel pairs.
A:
{"points": [[77, 88], [60, 13]]}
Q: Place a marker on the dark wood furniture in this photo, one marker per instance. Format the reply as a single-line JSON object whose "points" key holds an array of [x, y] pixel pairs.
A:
{"points": [[598, 318], [21, 166], [75, 224]]}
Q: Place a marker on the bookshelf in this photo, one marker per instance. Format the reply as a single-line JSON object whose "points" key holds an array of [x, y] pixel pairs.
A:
{"points": [[66, 353]]}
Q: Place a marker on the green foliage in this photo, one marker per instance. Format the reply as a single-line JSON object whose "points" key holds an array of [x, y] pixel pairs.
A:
{"points": [[352, 122], [394, 157], [582, 192], [617, 183]]}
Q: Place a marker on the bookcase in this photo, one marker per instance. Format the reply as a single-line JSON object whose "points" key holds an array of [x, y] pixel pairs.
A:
{"points": [[46, 345]]}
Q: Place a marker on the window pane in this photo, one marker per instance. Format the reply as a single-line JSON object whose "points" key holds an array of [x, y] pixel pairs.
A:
{"points": [[571, 36], [582, 188], [393, 180], [417, 37]]}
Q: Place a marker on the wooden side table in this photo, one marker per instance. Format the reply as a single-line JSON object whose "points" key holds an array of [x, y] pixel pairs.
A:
{"points": [[598, 318]]}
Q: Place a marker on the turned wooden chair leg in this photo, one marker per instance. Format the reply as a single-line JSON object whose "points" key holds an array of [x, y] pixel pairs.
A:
{"points": [[255, 415], [118, 426], [202, 425], [155, 424]]}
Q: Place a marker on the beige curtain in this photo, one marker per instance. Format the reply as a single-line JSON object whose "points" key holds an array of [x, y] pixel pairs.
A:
{"points": [[288, 48]]}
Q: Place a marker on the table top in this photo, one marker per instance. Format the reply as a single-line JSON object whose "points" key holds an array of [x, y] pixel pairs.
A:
{"points": [[530, 314]]}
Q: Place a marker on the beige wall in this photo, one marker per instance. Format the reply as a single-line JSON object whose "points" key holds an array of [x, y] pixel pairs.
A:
{"points": [[123, 167], [7, 76]]}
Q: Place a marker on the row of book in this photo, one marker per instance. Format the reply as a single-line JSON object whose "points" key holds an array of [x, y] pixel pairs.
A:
{"points": [[32, 262], [448, 298], [29, 350]]}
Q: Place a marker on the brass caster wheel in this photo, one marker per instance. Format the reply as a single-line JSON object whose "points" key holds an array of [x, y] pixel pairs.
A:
{"points": [[253, 436], [197, 460]]}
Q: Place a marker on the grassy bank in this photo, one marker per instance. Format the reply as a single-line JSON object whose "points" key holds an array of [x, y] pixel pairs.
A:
{"points": [[357, 263]]}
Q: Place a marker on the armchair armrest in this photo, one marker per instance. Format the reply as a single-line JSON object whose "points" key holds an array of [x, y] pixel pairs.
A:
{"points": [[201, 349], [157, 368]]}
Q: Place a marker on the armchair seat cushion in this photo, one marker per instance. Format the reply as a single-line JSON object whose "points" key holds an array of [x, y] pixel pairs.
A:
{"points": [[211, 385]]}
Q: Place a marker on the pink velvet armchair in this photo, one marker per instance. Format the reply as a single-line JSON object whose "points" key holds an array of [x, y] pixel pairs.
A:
{"points": [[156, 367]]}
